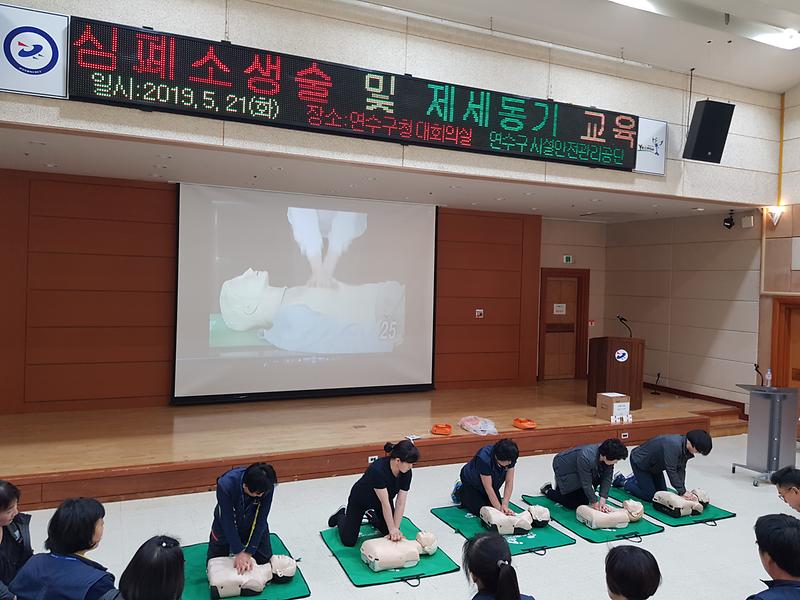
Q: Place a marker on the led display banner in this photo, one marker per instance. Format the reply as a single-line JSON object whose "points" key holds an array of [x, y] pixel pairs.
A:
{"points": [[141, 68]]}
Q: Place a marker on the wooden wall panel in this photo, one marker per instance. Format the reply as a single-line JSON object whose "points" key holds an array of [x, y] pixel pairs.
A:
{"points": [[489, 261], [66, 345], [87, 198], [95, 236], [476, 366], [58, 308], [96, 303], [468, 338], [486, 284], [461, 311], [106, 272], [473, 255], [46, 383]]}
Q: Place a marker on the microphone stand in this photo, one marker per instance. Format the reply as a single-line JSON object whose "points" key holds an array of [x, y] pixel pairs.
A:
{"points": [[624, 321], [760, 374]]}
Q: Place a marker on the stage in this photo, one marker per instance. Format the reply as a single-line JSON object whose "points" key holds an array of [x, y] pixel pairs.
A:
{"points": [[134, 453]]}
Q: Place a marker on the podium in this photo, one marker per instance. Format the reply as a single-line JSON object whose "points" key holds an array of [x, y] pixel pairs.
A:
{"points": [[616, 364], [771, 430]]}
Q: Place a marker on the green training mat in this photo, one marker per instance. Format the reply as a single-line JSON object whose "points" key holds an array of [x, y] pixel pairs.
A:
{"points": [[565, 517], [710, 515], [196, 587], [537, 540], [361, 575]]}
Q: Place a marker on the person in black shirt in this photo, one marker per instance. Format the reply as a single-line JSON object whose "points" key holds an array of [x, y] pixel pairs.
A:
{"points": [[15, 537], [374, 495]]}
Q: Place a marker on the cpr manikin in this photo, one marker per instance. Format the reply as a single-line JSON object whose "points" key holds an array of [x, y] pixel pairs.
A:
{"points": [[516, 524], [674, 505], [382, 553], [630, 512], [345, 318], [225, 582]]}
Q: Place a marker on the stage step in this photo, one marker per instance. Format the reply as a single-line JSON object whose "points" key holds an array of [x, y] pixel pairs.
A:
{"points": [[726, 422]]}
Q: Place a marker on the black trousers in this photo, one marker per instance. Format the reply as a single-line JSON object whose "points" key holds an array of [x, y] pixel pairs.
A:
{"points": [[571, 500], [473, 499], [349, 523], [217, 548]]}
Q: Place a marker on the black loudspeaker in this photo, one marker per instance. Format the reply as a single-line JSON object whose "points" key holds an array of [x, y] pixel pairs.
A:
{"points": [[708, 131]]}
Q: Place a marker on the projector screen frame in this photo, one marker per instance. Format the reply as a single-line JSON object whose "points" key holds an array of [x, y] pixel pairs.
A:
{"points": [[259, 396]]}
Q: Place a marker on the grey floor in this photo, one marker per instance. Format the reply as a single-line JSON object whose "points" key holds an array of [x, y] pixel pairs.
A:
{"points": [[696, 561]]}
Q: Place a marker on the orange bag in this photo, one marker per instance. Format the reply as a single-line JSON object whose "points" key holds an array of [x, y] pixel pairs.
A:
{"points": [[523, 423], [441, 429]]}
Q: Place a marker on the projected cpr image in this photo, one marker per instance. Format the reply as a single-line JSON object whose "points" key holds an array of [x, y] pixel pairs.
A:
{"points": [[321, 314]]}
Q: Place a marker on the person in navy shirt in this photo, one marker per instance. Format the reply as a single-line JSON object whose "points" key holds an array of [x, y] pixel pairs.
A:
{"points": [[240, 527], [631, 573], [373, 495], [487, 564], [778, 540], [65, 573], [483, 476]]}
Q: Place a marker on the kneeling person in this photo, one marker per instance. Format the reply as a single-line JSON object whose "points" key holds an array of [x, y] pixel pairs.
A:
{"points": [[483, 476], [580, 470], [244, 498]]}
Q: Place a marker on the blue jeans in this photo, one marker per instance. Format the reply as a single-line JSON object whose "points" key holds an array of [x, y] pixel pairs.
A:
{"points": [[644, 484]]}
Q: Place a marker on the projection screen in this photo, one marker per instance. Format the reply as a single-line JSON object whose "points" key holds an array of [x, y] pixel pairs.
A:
{"points": [[283, 294]]}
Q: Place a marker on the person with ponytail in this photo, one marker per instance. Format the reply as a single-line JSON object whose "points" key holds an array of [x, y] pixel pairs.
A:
{"points": [[487, 563], [374, 495]]}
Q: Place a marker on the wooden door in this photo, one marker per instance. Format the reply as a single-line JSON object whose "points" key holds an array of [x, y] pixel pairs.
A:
{"points": [[563, 323], [794, 347]]}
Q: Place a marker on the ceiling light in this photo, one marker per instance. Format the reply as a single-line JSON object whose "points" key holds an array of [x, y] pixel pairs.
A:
{"points": [[475, 203], [656, 205], [534, 208], [156, 175], [37, 143], [372, 179], [454, 187], [160, 166], [166, 156], [407, 198], [698, 209], [50, 165], [596, 200], [529, 193], [638, 4], [788, 39], [500, 198], [775, 213]]}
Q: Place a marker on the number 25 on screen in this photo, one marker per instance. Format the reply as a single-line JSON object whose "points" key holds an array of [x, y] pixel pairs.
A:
{"points": [[388, 330]]}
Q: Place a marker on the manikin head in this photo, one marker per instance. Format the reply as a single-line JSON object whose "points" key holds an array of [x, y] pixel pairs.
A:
{"points": [[787, 483], [778, 540], [631, 573], [698, 441], [612, 451], [9, 502], [402, 455], [248, 301], [506, 452]]}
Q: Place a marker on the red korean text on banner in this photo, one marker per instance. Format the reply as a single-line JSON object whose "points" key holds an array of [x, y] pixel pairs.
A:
{"points": [[313, 84], [267, 80], [96, 55], [212, 60]]}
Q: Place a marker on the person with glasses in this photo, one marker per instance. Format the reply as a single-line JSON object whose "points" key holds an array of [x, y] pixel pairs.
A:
{"points": [[240, 528], [787, 482]]}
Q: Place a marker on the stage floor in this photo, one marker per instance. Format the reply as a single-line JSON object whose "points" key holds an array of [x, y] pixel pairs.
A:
{"points": [[53, 443]]}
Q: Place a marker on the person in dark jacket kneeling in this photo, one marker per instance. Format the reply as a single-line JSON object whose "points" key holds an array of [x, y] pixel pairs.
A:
{"points": [[15, 537], [244, 498], [778, 540], [668, 453], [65, 573], [580, 470]]}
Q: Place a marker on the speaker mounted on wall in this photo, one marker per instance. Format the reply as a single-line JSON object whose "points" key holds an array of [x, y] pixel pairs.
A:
{"points": [[708, 131]]}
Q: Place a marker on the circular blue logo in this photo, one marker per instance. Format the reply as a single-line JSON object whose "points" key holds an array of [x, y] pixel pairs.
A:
{"points": [[30, 50], [621, 355]]}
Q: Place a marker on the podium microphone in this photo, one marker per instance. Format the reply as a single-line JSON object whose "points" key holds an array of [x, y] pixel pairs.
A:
{"points": [[760, 374], [624, 321], [656, 392]]}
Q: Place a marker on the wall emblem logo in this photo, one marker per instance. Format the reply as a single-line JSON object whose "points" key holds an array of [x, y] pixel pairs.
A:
{"points": [[30, 50], [621, 355]]}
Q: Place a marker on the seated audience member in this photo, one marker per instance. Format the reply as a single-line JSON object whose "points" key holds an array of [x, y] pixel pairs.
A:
{"points": [[487, 563], [155, 571], [778, 540], [65, 573], [631, 573], [668, 453], [787, 482], [15, 537], [491, 468], [580, 470]]}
